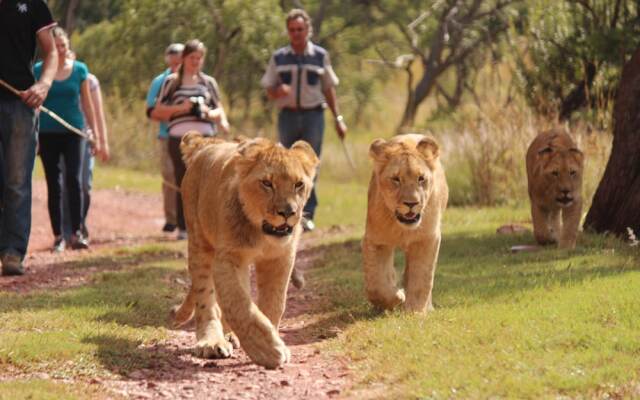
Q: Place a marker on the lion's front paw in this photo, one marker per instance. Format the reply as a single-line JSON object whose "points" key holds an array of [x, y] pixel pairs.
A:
{"points": [[214, 349], [233, 339], [270, 355]]}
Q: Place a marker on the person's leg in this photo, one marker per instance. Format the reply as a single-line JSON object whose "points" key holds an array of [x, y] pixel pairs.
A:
{"points": [[168, 192], [73, 151], [51, 150], [18, 129], [88, 162], [179, 169], [313, 133], [289, 127], [66, 218]]}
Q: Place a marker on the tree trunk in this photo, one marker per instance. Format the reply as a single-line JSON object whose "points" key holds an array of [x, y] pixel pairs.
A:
{"points": [[415, 96], [70, 16], [578, 96], [616, 204]]}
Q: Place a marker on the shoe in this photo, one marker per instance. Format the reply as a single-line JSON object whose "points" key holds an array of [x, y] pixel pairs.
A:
{"points": [[308, 225], [59, 244], [182, 235], [12, 265], [85, 231], [168, 227], [79, 241]]}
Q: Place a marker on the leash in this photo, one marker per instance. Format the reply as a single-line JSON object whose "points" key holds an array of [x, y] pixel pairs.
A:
{"points": [[52, 115]]}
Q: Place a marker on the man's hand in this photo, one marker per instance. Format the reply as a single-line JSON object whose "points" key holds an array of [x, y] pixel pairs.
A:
{"points": [[282, 90], [341, 127], [36, 94]]}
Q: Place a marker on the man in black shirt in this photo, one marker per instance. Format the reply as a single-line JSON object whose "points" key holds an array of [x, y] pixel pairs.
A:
{"points": [[22, 24]]}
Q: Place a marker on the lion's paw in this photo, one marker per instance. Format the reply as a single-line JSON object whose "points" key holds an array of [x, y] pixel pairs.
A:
{"points": [[269, 355], [212, 349], [233, 339]]}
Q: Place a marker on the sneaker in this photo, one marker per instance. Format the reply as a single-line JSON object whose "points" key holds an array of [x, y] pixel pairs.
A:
{"points": [[168, 227], [12, 265], [85, 231], [308, 225], [59, 244], [79, 241], [182, 235]]}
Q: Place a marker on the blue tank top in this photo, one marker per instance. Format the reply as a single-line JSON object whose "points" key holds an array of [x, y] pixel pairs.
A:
{"points": [[64, 99]]}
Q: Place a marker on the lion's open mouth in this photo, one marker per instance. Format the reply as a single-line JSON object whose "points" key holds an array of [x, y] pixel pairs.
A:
{"points": [[564, 200], [280, 231], [408, 218]]}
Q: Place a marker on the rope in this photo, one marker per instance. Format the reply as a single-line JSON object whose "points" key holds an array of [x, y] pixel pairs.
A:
{"points": [[53, 115]]}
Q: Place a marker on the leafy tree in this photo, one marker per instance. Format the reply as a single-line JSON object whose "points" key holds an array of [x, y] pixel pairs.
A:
{"points": [[575, 52]]}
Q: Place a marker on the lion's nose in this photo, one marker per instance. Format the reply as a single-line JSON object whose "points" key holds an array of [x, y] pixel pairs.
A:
{"points": [[287, 211], [565, 191], [410, 204]]}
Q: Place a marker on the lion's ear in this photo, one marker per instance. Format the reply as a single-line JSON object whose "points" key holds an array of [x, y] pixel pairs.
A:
{"points": [[303, 148], [429, 148], [377, 150]]}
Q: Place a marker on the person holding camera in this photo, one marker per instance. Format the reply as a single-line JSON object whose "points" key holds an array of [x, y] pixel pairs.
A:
{"points": [[189, 100]]}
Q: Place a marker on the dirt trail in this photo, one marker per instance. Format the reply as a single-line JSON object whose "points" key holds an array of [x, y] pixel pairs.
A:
{"points": [[311, 374]]}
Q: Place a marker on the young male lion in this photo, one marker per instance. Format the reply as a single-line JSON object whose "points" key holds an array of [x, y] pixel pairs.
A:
{"points": [[408, 193], [242, 203], [554, 172]]}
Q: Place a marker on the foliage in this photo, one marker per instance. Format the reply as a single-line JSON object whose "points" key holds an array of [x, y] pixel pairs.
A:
{"points": [[574, 53]]}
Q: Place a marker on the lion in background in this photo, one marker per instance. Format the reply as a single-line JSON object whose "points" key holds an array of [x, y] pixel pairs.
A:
{"points": [[554, 174], [243, 203], [408, 194]]}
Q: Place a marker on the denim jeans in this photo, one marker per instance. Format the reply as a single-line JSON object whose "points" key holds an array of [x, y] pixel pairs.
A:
{"points": [[18, 137], [88, 162], [308, 126]]}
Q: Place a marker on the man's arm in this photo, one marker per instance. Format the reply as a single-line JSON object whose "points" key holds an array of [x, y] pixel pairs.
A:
{"points": [[37, 93], [332, 102]]}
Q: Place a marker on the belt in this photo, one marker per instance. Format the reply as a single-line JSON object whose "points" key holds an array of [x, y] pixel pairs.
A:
{"points": [[302, 109]]}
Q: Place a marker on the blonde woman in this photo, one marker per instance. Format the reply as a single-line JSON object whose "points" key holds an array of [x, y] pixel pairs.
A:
{"points": [[70, 98]]}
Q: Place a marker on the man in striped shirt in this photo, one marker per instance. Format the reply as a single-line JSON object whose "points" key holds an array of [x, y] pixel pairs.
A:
{"points": [[301, 81]]}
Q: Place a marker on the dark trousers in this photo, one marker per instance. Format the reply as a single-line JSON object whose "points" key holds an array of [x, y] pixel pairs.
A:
{"points": [[69, 147], [307, 125], [179, 169]]}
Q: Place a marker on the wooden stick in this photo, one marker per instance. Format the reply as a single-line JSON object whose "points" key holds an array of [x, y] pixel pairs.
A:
{"points": [[52, 115]]}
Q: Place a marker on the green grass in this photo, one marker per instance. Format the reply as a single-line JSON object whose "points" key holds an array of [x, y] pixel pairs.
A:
{"points": [[542, 324], [95, 329]]}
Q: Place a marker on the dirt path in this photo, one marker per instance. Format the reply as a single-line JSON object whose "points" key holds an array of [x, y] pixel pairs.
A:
{"points": [[311, 374]]}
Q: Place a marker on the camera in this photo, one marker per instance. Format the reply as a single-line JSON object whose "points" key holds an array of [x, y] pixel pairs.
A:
{"points": [[196, 106]]}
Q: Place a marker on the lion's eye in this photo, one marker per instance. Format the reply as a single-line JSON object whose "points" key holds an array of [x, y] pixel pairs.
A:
{"points": [[267, 183], [299, 185], [395, 180], [573, 172], [421, 179], [555, 173]]}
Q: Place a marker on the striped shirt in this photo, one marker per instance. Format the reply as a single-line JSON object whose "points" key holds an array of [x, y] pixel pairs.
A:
{"points": [[309, 75], [206, 88]]}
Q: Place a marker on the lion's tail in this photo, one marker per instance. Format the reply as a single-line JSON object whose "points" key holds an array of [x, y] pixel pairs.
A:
{"points": [[183, 313], [191, 144]]}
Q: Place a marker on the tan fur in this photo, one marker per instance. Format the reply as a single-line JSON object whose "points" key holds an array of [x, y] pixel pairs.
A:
{"points": [[554, 172], [234, 194], [407, 180]]}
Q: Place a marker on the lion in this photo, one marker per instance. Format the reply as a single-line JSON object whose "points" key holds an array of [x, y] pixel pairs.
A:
{"points": [[243, 203], [554, 174], [408, 194]]}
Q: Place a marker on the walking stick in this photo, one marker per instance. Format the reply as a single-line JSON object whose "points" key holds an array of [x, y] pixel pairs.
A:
{"points": [[347, 155], [53, 115]]}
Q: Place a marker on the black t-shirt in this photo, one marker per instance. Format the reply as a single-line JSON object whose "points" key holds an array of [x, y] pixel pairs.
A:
{"points": [[20, 21]]}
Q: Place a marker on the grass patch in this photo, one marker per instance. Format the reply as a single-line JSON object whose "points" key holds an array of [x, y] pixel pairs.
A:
{"points": [[543, 324], [94, 330]]}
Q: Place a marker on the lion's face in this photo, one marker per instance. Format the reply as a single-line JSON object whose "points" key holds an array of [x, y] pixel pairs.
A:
{"points": [[404, 175], [275, 184], [561, 174]]}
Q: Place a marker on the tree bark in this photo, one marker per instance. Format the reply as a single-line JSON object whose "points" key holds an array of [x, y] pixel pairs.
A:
{"points": [[616, 204]]}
